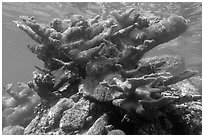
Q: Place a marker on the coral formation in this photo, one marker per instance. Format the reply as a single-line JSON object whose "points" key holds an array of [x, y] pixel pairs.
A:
{"points": [[18, 105], [13, 130], [95, 81]]}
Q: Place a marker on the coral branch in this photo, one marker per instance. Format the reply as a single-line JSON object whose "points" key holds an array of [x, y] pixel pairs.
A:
{"points": [[45, 33], [99, 38], [153, 104], [29, 31], [185, 75], [85, 56], [44, 70], [144, 69], [66, 65], [163, 31], [125, 31], [57, 25], [71, 33], [94, 20], [123, 19]]}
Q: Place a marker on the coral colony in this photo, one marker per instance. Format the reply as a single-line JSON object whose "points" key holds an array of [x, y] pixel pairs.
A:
{"points": [[95, 81]]}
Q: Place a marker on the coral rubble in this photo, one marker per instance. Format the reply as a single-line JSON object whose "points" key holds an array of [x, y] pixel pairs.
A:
{"points": [[95, 81]]}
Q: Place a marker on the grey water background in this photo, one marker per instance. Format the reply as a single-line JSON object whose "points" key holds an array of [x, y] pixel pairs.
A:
{"points": [[18, 62]]}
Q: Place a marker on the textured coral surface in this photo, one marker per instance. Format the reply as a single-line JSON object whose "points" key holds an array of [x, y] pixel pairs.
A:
{"points": [[95, 81]]}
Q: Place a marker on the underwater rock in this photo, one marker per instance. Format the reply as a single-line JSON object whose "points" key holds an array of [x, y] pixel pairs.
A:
{"points": [[56, 111], [96, 82], [35, 127], [49, 119], [196, 81], [99, 127], [74, 118], [116, 132]]}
